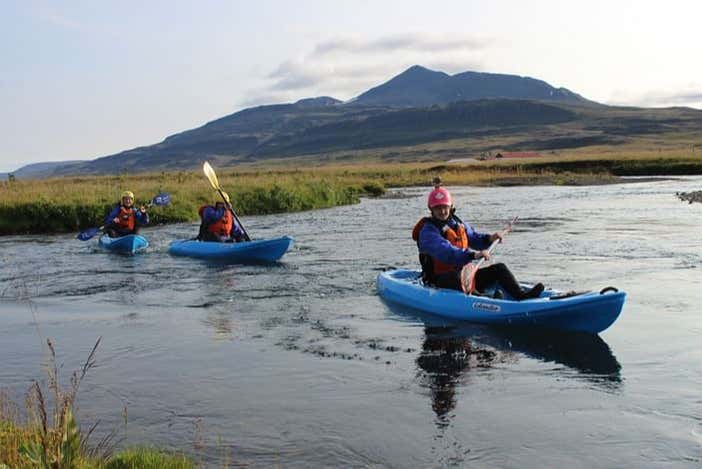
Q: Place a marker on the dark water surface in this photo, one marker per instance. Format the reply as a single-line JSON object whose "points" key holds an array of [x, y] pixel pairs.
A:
{"points": [[301, 364]]}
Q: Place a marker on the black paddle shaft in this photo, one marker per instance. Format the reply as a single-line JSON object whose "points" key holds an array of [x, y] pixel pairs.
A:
{"points": [[231, 209]]}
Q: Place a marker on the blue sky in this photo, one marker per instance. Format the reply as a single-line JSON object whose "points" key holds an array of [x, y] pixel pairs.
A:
{"points": [[84, 79]]}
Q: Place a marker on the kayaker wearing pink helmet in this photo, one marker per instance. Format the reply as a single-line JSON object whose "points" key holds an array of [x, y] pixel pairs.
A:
{"points": [[446, 244]]}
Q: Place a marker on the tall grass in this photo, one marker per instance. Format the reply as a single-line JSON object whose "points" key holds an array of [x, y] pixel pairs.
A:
{"points": [[70, 204], [74, 203], [148, 458], [49, 437]]}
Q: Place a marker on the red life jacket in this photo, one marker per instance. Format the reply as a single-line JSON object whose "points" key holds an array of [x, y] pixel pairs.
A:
{"points": [[223, 226], [457, 238], [126, 218]]}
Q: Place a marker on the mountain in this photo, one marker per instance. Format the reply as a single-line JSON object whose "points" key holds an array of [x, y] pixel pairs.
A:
{"points": [[420, 114], [36, 170], [418, 86]]}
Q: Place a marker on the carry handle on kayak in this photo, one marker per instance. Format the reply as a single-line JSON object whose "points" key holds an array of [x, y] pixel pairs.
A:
{"points": [[469, 270]]}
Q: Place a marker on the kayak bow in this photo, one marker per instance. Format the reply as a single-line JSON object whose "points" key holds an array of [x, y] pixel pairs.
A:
{"points": [[129, 244]]}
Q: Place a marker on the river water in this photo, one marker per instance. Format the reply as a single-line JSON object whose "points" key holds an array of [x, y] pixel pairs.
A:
{"points": [[301, 364]]}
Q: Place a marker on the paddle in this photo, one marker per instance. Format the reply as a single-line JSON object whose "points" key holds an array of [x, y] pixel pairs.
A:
{"points": [[469, 270], [161, 200], [212, 177]]}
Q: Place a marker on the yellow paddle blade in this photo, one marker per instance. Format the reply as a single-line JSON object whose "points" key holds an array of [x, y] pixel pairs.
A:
{"points": [[211, 176]]}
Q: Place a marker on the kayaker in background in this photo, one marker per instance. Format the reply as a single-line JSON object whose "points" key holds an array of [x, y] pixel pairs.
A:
{"points": [[124, 219], [446, 244], [218, 224]]}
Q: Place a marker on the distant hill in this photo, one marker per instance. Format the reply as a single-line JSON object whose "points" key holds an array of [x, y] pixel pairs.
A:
{"points": [[477, 111], [37, 170], [419, 86]]}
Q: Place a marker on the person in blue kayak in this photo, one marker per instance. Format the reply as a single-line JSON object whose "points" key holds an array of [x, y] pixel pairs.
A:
{"points": [[446, 244], [124, 219], [218, 224]]}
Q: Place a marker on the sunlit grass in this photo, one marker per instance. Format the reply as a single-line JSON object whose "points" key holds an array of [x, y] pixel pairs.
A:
{"points": [[48, 435], [148, 458], [74, 203]]}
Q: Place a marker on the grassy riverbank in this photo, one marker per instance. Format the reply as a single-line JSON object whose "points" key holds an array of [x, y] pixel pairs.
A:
{"points": [[71, 204], [47, 434], [13, 438]]}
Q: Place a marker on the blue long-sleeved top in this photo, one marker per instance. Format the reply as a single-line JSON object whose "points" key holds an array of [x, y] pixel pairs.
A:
{"points": [[212, 215], [432, 243], [141, 218]]}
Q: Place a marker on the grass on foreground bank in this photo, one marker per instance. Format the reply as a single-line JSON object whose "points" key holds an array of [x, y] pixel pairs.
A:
{"points": [[12, 438], [74, 203], [50, 438]]}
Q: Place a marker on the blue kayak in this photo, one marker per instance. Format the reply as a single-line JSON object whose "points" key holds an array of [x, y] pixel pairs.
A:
{"points": [[129, 244], [264, 250], [590, 312]]}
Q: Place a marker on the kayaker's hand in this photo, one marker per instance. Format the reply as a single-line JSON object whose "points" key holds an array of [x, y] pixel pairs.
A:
{"points": [[484, 254], [115, 220], [496, 236]]}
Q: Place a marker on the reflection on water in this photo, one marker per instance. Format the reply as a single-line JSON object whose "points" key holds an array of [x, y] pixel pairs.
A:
{"points": [[588, 354], [453, 350], [220, 322], [301, 364], [445, 361]]}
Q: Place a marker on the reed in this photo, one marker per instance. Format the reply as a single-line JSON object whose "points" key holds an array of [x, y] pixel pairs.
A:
{"points": [[74, 203], [148, 458], [49, 436]]}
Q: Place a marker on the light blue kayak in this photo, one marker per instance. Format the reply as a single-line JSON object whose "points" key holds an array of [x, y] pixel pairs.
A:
{"points": [[590, 312], [264, 250], [129, 244]]}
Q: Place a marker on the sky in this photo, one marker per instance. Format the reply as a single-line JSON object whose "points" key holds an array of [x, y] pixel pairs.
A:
{"points": [[84, 79]]}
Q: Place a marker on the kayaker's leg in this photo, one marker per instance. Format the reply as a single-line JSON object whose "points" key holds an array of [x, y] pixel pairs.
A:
{"points": [[503, 276], [207, 236], [534, 292], [111, 231], [450, 280]]}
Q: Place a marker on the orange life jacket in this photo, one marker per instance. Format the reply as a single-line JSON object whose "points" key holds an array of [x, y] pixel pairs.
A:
{"points": [[126, 218], [223, 226], [457, 238]]}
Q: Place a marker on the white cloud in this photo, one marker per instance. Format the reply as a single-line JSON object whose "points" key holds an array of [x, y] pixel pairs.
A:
{"points": [[401, 42], [293, 76], [690, 95], [344, 67]]}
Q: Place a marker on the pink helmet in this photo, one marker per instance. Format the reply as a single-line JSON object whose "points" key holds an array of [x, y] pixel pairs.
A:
{"points": [[439, 196]]}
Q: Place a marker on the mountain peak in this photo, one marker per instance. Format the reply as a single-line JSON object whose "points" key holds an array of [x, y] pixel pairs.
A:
{"points": [[419, 86], [418, 69], [319, 101]]}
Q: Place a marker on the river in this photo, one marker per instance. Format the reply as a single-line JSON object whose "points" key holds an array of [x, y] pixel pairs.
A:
{"points": [[301, 364]]}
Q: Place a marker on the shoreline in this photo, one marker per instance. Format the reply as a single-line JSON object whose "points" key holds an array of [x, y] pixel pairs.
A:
{"points": [[690, 197], [71, 205]]}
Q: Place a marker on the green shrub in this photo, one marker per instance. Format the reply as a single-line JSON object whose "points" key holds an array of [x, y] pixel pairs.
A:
{"points": [[147, 458]]}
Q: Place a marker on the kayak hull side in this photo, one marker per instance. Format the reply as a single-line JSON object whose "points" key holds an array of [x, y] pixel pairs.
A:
{"points": [[265, 250], [590, 312]]}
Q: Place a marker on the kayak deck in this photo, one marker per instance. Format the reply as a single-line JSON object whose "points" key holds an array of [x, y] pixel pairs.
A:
{"points": [[129, 244], [590, 312], [265, 250]]}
